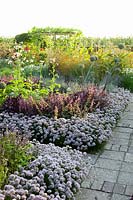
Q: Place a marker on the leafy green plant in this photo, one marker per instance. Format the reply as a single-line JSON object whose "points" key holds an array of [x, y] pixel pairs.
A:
{"points": [[13, 154], [19, 86], [16, 87], [22, 87], [53, 86]]}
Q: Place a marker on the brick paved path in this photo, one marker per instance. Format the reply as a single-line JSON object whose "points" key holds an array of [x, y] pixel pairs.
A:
{"points": [[111, 176]]}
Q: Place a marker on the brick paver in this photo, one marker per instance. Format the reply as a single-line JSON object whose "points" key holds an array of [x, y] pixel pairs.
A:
{"points": [[111, 176]]}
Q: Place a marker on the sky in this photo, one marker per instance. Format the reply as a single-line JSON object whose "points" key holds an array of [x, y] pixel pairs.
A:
{"points": [[96, 18]]}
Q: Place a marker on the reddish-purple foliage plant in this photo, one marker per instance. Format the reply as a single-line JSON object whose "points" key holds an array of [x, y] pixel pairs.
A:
{"points": [[60, 105]]}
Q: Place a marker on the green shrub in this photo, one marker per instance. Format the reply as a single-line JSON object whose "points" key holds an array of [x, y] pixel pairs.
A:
{"points": [[13, 154], [127, 80], [24, 37]]}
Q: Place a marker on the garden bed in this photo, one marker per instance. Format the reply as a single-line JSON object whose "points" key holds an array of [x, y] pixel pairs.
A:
{"points": [[59, 123], [79, 133], [57, 172]]}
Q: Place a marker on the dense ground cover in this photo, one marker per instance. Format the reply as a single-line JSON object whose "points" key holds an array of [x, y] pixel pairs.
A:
{"points": [[57, 173], [55, 91]]}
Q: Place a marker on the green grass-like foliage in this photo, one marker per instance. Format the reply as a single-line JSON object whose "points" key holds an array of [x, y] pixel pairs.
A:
{"points": [[13, 154], [127, 80]]}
